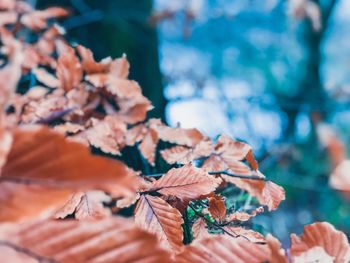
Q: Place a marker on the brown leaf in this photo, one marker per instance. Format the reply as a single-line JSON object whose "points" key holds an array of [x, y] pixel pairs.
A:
{"points": [[244, 216], [37, 20], [156, 216], [69, 71], [113, 239], [322, 234], [85, 205], [107, 134], [278, 254], [182, 154], [120, 68], [223, 248], [340, 177], [148, 146], [91, 206], [187, 137], [248, 234], [90, 66], [44, 169], [187, 182], [69, 207], [267, 193], [135, 134], [217, 207], [199, 229], [5, 144], [46, 78]]}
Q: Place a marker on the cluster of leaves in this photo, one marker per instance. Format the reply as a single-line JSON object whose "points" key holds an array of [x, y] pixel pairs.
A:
{"points": [[60, 203]]}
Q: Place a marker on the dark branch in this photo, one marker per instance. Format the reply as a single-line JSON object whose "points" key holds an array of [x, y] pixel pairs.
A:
{"points": [[248, 177]]}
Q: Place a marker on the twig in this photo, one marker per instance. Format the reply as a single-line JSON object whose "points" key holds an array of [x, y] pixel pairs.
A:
{"points": [[248, 177], [55, 115], [27, 252], [219, 226]]}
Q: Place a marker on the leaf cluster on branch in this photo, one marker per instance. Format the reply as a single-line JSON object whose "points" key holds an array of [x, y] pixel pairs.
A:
{"points": [[61, 203]]}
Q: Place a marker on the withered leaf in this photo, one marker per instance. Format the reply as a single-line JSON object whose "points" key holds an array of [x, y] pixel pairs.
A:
{"points": [[113, 239], [156, 216], [187, 182]]}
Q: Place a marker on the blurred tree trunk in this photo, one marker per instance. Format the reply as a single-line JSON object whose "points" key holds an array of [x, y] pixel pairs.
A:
{"points": [[311, 92], [115, 27]]}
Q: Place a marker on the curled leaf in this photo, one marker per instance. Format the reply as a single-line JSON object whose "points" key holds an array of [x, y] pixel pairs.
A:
{"points": [[322, 234]]}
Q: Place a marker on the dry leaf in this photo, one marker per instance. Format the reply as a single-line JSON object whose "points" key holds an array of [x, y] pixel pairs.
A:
{"points": [[248, 234], [107, 134], [187, 182], [340, 177], [278, 254], [217, 207], [322, 234], [156, 216], [148, 146], [199, 229], [43, 169], [69, 70], [267, 193], [223, 248], [114, 239]]}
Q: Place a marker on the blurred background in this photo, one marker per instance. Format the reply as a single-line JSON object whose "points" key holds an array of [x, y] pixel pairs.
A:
{"points": [[273, 73]]}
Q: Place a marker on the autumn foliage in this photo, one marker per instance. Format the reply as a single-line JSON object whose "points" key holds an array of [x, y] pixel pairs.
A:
{"points": [[77, 152]]}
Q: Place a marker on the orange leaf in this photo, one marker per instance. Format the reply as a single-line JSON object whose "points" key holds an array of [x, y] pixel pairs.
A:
{"points": [[86, 205], [199, 229], [340, 177], [44, 169], [182, 155], [324, 235], [89, 64], [69, 71], [217, 207], [267, 193], [222, 248], [5, 145], [113, 239], [187, 182], [148, 146], [156, 216], [46, 78], [107, 134], [248, 234], [278, 254], [244, 216], [187, 137]]}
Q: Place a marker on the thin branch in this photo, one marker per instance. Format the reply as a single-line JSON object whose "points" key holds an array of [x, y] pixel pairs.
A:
{"points": [[248, 177], [27, 252], [56, 115]]}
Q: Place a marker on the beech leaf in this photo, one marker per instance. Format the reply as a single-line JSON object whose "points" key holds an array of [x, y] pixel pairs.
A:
{"points": [[113, 239], [156, 216], [187, 182]]}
